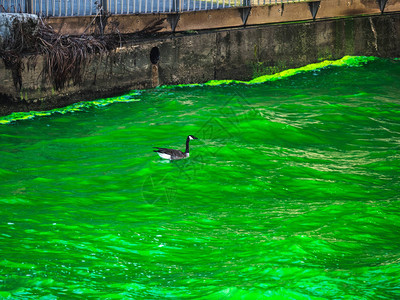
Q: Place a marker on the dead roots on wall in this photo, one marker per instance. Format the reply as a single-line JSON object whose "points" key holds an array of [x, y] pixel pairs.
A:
{"points": [[65, 57]]}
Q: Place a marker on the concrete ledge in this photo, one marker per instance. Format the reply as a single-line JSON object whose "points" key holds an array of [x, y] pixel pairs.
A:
{"points": [[342, 8], [291, 12], [392, 6], [211, 19], [226, 18]]}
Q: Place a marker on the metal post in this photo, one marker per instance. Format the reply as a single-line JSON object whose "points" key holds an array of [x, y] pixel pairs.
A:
{"points": [[382, 4], [314, 8], [245, 11], [104, 5], [28, 6]]}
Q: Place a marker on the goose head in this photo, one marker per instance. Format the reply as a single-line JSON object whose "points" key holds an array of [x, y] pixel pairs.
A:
{"points": [[192, 137]]}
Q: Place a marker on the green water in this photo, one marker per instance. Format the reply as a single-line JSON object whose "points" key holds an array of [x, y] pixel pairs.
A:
{"points": [[291, 192]]}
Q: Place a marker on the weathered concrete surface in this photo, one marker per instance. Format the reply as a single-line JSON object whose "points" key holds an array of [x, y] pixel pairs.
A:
{"points": [[225, 18], [219, 54], [7, 21]]}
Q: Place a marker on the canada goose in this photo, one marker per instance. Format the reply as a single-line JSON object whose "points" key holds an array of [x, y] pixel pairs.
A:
{"points": [[175, 154]]}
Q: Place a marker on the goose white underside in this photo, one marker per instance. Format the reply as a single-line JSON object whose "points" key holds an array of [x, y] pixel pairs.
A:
{"points": [[164, 155], [168, 156]]}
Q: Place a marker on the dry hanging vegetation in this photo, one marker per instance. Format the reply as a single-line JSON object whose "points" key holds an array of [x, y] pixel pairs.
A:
{"points": [[20, 41], [65, 57]]}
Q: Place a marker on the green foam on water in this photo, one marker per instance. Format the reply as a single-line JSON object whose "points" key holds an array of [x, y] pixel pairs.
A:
{"points": [[80, 106], [350, 61]]}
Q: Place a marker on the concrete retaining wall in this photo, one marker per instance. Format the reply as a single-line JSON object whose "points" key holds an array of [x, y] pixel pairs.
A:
{"points": [[238, 53]]}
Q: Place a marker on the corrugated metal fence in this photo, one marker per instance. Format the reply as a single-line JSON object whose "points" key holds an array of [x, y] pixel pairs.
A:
{"points": [[91, 7]]}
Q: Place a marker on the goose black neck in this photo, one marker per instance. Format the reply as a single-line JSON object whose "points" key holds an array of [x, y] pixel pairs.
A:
{"points": [[187, 145]]}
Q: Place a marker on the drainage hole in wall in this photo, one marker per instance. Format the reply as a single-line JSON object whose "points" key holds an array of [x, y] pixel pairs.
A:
{"points": [[154, 55]]}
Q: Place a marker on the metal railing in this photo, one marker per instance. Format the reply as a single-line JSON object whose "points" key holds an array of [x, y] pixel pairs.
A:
{"points": [[12, 6], [59, 8]]}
